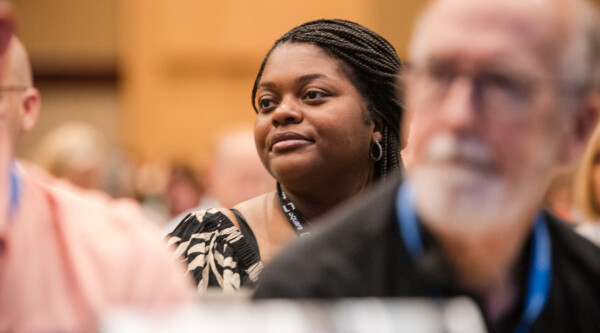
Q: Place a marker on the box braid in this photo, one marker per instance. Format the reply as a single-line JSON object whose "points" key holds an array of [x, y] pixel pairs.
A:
{"points": [[375, 67]]}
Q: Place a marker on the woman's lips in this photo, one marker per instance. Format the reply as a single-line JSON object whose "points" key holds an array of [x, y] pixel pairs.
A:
{"points": [[287, 141]]}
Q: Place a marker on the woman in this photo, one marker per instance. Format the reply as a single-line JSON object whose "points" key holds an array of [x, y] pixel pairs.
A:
{"points": [[327, 126], [587, 190]]}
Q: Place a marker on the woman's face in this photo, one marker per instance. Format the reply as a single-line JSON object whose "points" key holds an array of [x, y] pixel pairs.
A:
{"points": [[312, 122]]}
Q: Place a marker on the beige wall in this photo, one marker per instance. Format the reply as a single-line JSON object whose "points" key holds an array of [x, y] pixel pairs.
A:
{"points": [[73, 48], [68, 35]]}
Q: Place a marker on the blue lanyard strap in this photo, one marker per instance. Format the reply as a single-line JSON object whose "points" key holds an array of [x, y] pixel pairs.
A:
{"points": [[538, 281], [406, 215], [15, 191]]}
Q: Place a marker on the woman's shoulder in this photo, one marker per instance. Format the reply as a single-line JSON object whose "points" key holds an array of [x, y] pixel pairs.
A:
{"points": [[216, 252], [201, 221], [257, 208], [257, 202]]}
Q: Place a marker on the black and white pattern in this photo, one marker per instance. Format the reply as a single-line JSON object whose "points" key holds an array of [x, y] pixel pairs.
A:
{"points": [[216, 252]]}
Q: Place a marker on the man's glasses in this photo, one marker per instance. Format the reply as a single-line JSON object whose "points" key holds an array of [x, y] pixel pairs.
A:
{"points": [[4, 89], [497, 93], [13, 88]]}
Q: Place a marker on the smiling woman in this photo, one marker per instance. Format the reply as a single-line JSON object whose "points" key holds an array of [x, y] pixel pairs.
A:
{"points": [[327, 127]]}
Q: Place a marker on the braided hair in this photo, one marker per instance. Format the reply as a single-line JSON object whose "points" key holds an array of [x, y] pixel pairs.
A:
{"points": [[374, 66]]}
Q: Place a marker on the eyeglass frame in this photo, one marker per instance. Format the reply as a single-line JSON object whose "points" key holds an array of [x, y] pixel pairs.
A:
{"points": [[13, 88], [528, 86]]}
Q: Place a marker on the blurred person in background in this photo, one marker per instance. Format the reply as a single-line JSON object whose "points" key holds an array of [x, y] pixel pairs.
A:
{"points": [[67, 257], [327, 127], [500, 93], [559, 198], [81, 154], [184, 190], [587, 190], [235, 174], [74, 151]]}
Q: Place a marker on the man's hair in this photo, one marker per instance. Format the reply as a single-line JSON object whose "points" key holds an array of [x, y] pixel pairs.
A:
{"points": [[584, 51], [374, 67]]}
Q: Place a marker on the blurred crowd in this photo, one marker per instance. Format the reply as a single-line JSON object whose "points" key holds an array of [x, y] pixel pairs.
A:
{"points": [[166, 190]]}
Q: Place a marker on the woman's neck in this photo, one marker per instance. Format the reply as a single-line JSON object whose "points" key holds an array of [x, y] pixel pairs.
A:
{"points": [[314, 202]]}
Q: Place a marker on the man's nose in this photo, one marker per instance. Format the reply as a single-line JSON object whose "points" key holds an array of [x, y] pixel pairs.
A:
{"points": [[459, 105]]}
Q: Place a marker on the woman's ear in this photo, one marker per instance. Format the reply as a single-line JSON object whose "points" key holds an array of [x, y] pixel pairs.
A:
{"points": [[377, 129], [377, 136]]}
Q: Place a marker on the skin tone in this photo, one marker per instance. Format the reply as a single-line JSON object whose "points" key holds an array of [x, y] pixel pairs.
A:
{"points": [[501, 38], [19, 108], [313, 134], [19, 101], [6, 149]]}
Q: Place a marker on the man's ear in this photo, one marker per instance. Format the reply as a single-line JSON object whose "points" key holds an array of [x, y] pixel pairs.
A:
{"points": [[584, 122], [30, 109]]}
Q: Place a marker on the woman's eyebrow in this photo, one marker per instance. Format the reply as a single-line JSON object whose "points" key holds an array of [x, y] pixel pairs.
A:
{"points": [[301, 80], [309, 77]]}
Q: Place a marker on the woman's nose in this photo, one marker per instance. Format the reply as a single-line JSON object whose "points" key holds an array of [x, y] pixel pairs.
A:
{"points": [[287, 113]]}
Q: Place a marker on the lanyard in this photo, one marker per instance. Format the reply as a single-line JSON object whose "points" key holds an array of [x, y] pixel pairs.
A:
{"points": [[15, 191], [538, 281], [292, 214]]}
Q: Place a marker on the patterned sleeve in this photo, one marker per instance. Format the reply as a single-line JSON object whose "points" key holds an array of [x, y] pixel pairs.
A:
{"points": [[215, 251]]}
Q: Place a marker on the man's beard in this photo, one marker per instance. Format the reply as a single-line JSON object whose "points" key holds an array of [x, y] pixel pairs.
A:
{"points": [[459, 190]]}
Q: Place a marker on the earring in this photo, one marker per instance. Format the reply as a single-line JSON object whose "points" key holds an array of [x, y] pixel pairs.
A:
{"points": [[376, 151]]}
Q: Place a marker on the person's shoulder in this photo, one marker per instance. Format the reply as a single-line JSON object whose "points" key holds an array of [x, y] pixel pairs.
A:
{"points": [[84, 207], [343, 241], [209, 220], [574, 289], [113, 240], [217, 254], [579, 251]]}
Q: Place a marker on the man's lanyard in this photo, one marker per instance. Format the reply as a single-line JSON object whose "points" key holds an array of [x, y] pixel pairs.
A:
{"points": [[538, 281], [292, 214], [14, 188]]}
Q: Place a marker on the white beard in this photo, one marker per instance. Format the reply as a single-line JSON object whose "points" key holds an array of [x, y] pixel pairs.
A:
{"points": [[458, 191]]}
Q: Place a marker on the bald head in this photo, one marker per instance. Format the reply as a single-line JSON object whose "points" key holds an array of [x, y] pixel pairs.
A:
{"points": [[237, 173], [17, 71], [20, 101], [565, 33]]}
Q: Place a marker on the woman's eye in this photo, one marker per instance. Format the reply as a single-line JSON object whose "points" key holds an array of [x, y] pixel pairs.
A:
{"points": [[314, 95], [265, 103]]}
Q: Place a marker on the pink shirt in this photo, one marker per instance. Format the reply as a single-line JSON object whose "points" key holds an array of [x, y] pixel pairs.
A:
{"points": [[67, 258]]}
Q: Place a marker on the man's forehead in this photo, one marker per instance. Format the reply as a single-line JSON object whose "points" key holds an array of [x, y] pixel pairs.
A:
{"points": [[527, 23]]}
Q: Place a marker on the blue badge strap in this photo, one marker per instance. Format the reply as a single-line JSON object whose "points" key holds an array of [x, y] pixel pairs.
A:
{"points": [[407, 220], [15, 191], [538, 282]]}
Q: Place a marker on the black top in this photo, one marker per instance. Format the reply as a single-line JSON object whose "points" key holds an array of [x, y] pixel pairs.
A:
{"points": [[361, 254]]}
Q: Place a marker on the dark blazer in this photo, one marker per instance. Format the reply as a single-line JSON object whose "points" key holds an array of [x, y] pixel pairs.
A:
{"points": [[360, 253]]}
